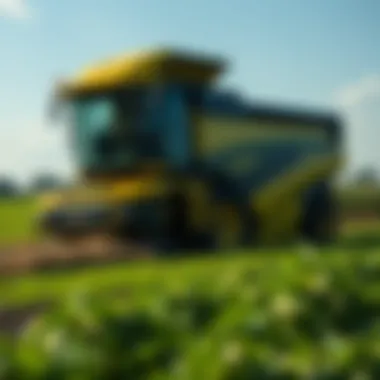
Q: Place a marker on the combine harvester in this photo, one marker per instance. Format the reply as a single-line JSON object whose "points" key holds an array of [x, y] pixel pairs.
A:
{"points": [[168, 159]]}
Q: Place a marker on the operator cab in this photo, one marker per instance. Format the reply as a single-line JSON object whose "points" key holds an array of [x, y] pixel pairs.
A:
{"points": [[107, 130], [127, 113]]}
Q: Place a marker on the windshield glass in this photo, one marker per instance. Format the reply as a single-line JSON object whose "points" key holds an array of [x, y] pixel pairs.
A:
{"points": [[104, 130]]}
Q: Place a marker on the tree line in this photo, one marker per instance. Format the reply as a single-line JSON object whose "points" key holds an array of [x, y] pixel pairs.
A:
{"points": [[10, 188]]}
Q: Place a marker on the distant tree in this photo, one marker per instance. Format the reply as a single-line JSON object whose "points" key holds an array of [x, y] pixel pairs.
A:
{"points": [[367, 176], [45, 182], [8, 187]]}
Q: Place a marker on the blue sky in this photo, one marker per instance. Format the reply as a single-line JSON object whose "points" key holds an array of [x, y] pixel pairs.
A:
{"points": [[318, 53]]}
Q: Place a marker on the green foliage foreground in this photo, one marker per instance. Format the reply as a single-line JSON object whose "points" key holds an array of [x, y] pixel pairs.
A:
{"points": [[295, 317]]}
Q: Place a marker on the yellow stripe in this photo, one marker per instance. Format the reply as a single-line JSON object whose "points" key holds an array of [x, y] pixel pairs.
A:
{"points": [[312, 169], [278, 204], [123, 191], [216, 133], [138, 189]]}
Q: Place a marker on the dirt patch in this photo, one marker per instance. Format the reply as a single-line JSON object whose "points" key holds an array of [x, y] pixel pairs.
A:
{"points": [[360, 216], [13, 320], [48, 256]]}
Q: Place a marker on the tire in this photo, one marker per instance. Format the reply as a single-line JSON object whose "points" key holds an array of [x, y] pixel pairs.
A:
{"points": [[178, 216], [251, 226], [319, 222], [181, 234]]}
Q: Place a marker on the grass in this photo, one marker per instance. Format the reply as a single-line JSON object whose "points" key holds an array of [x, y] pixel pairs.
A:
{"points": [[241, 316], [16, 220], [140, 279], [137, 278], [296, 292]]}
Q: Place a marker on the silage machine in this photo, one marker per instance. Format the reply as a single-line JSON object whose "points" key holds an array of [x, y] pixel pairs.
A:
{"points": [[167, 157]]}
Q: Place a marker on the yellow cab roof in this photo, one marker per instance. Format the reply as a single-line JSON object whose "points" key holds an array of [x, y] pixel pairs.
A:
{"points": [[143, 68]]}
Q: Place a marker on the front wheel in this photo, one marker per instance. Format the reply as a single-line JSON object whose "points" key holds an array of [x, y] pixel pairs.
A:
{"points": [[319, 223]]}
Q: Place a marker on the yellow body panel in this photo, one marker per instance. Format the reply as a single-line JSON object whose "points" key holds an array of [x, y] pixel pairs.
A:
{"points": [[139, 69], [120, 191], [278, 204], [283, 192]]}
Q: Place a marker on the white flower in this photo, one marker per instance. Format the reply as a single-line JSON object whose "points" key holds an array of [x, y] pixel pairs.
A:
{"points": [[232, 352], [337, 348], [319, 283], [308, 251], [361, 376], [53, 340], [285, 305]]}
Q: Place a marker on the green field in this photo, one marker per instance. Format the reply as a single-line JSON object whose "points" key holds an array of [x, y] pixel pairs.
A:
{"points": [[136, 277], [268, 314], [16, 220]]}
